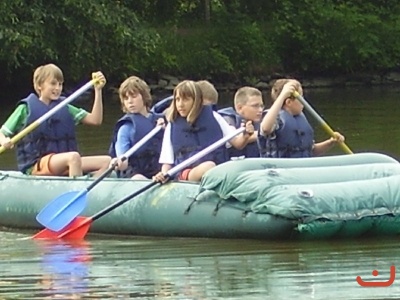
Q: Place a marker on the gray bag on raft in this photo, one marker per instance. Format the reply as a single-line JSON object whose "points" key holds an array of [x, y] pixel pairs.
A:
{"points": [[346, 187]]}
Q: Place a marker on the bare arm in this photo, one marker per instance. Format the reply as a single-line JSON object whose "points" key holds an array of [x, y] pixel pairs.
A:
{"points": [[95, 117], [165, 168], [252, 138], [322, 147], [241, 141], [4, 141], [268, 122], [2, 138]]}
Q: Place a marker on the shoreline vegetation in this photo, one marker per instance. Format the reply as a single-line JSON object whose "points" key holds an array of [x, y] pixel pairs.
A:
{"points": [[168, 82], [228, 42]]}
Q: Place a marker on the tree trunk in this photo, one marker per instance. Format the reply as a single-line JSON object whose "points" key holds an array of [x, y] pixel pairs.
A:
{"points": [[207, 10]]}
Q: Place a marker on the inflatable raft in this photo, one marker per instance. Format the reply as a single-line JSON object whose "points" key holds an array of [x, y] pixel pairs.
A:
{"points": [[259, 198]]}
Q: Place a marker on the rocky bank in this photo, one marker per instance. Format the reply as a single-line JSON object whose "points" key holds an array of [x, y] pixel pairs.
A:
{"points": [[168, 82]]}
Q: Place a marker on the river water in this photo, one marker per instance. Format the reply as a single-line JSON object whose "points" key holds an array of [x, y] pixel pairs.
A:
{"points": [[153, 268], [104, 267]]}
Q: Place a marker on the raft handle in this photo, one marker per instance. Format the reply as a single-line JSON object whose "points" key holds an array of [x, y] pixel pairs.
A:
{"points": [[190, 205], [217, 207], [245, 213]]}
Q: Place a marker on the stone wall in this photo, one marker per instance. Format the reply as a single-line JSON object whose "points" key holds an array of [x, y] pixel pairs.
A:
{"points": [[168, 82]]}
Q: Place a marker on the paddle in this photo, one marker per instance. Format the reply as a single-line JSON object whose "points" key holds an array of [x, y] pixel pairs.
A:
{"points": [[78, 228], [51, 112], [321, 121], [162, 105], [62, 210]]}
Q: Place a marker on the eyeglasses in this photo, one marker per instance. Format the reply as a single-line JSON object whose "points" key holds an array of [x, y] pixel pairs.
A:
{"points": [[256, 106]]}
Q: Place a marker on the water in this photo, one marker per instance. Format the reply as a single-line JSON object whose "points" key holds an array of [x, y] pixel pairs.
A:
{"points": [[103, 267], [141, 268], [366, 116]]}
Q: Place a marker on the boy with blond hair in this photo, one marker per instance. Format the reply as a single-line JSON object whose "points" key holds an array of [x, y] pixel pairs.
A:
{"points": [[210, 94], [51, 149], [285, 131], [248, 107], [135, 98]]}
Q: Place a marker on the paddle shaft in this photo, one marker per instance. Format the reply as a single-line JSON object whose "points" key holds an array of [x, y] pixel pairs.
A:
{"points": [[48, 114], [125, 156], [321, 121], [81, 196], [204, 152], [169, 174], [100, 213]]}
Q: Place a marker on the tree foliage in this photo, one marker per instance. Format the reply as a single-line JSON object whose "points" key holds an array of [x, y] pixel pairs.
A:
{"points": [[222, 39], [79, 35], [336, 36]]}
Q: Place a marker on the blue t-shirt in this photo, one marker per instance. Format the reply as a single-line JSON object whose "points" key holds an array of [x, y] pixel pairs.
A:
{"points": [[125, 138]]}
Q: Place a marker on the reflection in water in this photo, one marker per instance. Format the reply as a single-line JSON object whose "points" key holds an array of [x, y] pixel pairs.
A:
{"points": [[152, 268], [65, 270]]}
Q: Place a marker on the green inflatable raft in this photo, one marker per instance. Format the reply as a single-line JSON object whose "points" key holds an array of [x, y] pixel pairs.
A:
{"points": [[259, 198]]}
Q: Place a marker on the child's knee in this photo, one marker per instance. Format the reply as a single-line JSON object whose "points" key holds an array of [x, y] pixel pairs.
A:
{"points": [[106, 160], [205, 166], [208, 165], [74, 158], [103, 162]]}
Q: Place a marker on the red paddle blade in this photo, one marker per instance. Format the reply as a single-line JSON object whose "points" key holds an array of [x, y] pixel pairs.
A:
{"points": [[45, 234], [77, 229]]}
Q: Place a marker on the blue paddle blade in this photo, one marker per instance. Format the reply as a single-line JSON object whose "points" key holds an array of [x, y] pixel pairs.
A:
{"points": [[61, 211]]}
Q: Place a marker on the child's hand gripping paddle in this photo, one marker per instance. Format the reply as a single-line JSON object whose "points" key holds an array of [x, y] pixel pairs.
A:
{"points": [[321, 121], [62, 210], [20, 135], [78, 228]]}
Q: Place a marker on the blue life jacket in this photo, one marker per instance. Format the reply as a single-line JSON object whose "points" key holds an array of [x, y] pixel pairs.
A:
{"points": [[145, 160], [55, 135], [293, 138], [187, 139], [234, 117], [251, 150]]}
